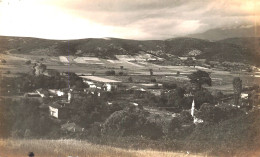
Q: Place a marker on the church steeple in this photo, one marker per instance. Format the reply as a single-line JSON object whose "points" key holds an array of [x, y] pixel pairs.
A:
{"points": [[192, 108]]}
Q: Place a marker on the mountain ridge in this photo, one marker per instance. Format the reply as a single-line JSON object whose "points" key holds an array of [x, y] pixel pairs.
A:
{"points": [[225, 50]]}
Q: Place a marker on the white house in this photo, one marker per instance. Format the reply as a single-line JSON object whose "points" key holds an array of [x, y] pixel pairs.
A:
{"points": [[57, 92], [54, 112], [108, 87], [244, 96]]}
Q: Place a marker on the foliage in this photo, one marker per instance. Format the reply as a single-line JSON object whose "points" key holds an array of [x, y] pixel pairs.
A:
{"points": [[202, 96], [181, 126], [110, 72], [153, 80], [215, 114], [237, 87], [199, 78], [28, 62], [228, 137], [130, 79], [131, 121], [169, 85]]}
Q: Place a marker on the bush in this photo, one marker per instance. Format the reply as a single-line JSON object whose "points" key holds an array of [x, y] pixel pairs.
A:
{"points": [[168, 85], [153, 80], [3, 61], [212, 114], [131, 121], [228, 137], [130, 79], [121, 73], [202, 96], [28, 62], [110, 72]]}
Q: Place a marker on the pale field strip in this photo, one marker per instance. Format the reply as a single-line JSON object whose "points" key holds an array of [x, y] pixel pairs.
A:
{"points": [[151, 84], [114, 61], [256, 76], [140, 57], [67, 147], [63, 59], [199, 67], [140, 66], [88, 60], [99, 79]]}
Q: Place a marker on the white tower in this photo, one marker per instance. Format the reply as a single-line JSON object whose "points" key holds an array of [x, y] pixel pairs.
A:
{"points": [[69, 97], [192, 108]]}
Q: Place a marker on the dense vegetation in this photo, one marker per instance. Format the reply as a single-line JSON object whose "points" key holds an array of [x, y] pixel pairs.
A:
{"points": [[225, 128]]}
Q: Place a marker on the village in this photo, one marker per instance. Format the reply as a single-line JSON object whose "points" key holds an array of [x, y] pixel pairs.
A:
{"points": [[165, 96]]}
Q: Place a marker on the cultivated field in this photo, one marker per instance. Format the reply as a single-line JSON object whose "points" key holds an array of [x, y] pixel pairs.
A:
{"points": [[75, 148], [135, 66]]}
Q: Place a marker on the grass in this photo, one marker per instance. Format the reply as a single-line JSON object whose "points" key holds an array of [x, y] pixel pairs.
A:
{"points": [[64, 148]]}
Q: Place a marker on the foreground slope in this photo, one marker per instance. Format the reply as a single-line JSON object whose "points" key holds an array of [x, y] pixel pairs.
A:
{"points": [[55, 148]]}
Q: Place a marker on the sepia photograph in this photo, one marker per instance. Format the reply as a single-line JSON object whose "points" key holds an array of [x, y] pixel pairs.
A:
{"points": [[129, 78]]}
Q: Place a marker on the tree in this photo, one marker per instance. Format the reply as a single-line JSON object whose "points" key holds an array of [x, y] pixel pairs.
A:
{"points": [[3, 61], [169, 85], [153, 80], [189, 61], [237, 87], [151, 72], [178, 73], [121, 73], [28, 62], [130, 79], [110, 72], [199, 78]]}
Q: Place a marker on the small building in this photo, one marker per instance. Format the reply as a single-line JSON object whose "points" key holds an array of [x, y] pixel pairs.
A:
{"points": [[59, 110], [244, 96], [57, 92], [42, 92], [109, 87]]}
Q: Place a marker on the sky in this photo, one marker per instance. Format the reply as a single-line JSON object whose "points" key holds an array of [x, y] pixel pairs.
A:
{"points": [[129, 19]]}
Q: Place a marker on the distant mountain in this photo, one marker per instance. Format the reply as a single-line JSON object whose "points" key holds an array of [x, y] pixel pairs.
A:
{"points": [[224, 33], [234, 50]]}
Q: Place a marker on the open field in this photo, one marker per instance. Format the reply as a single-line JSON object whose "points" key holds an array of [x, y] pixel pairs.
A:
{"points": [[65, 148], [99, 79], [138, 70]]}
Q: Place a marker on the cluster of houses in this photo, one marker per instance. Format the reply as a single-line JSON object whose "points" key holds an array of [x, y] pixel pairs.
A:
{"points": [[61, 98]]}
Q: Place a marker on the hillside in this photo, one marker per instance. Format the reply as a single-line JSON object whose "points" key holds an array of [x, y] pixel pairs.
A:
{"points": [[109, 47], [225, 33]]}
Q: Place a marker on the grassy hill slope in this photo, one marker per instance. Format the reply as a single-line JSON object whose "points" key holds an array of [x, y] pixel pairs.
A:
{"points": [[225, 50]]}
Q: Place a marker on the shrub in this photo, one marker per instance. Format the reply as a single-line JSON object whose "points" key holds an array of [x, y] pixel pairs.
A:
{"points": [[202, 96], [130, 79], [3, 61], [110, 72], [121, 73], [214, 114], [131, 121], [169, 85], [153, 80], [28, 62]]}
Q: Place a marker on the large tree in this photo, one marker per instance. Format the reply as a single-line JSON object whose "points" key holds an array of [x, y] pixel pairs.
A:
{"points": [[237, 87], [199, 78]]}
